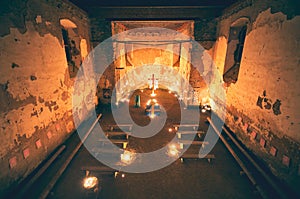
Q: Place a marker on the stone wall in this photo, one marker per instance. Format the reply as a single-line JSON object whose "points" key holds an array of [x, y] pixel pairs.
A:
{"points": [[263, 104], [205, 35], [35, 83]]}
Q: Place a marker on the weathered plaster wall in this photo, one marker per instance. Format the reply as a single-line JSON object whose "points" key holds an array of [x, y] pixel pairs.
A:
{"points": [[35, 85], [263, 105], [205, 35]]}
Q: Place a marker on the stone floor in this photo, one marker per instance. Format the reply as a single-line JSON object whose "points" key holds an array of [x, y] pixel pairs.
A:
{"points": [[221, 178]]}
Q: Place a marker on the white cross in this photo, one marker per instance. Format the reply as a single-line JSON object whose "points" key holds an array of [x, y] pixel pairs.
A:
{"points": [[153, 82]]}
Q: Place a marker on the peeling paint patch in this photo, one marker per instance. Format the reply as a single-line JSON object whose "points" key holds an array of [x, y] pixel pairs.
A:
{"points": [[50, 105], [265, 103], [8, 103], [32, 77], [56, 107], [259, 102], [276, 107], [35, 113], [14, 65], [41, 100]]}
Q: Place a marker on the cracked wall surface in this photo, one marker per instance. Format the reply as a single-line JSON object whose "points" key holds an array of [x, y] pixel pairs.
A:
{"points": [[35, 86], [263, 105]]}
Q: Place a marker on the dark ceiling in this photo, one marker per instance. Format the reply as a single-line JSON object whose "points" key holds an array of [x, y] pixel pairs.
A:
{"points": [[86, 4]]}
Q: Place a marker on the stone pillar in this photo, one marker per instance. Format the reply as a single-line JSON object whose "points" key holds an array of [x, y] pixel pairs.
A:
{"points": [[184, 70]]}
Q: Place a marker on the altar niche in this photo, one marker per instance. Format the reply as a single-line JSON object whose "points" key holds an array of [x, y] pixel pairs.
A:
{"points": [[72, 43], [140, 48]]}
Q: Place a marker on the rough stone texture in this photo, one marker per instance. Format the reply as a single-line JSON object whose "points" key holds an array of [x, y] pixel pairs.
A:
{"points": [[265, 98], [36, 90], [205, 30], [100, 30]]}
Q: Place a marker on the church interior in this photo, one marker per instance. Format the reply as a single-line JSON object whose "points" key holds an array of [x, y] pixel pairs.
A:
{"points": [[149, 99]]}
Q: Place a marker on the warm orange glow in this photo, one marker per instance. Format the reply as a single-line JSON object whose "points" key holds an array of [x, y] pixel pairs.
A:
{"points": [[127, 157], [90, 182], [153, 94], [154, 56], [172, 150], [135, 66], [151, 101]]}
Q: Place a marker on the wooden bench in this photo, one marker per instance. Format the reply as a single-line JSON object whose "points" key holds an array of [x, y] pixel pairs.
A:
{"points": [[115, 141], [117, 126], [97, 150], [195, 142], [176, 126], [209, 157], [97, 169], [115, 133], [179, 133], [103, 170]]}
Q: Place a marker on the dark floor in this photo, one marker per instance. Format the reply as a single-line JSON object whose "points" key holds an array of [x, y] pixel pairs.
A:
{"points": [[191, 179]]}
